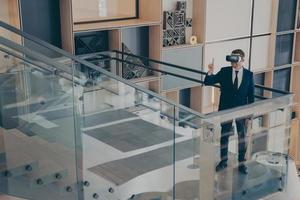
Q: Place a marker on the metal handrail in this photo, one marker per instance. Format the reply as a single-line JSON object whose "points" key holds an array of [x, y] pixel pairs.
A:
{"points": [[258, 86], [106, 57], [160, 62], [191, 70]]}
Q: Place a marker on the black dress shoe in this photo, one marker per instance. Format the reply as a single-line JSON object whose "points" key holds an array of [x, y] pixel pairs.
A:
{"points": [[243, 169], [222, 165]]}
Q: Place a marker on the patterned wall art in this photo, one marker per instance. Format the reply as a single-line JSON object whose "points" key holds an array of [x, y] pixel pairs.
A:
{"points": [[175, 24], [131, 71]]}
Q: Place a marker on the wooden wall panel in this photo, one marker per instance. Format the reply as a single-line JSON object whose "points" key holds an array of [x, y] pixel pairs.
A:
{"points": [[296, 88], [9, 13], [295, 140], [297, 48], [66, 21], [93, 10], [155, 43], [196, 98], [150, 10], [199, 20]]}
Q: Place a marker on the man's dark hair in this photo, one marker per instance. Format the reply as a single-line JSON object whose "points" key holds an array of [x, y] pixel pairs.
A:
{"points": [[239, 52]]}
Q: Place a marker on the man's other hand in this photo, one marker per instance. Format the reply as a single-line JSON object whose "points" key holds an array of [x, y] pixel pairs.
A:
{"points": [[249, 122]]}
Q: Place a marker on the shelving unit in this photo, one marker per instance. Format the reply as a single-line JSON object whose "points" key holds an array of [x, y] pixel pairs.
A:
{"points": [[150, 16], [145, 15], [189, 55]]}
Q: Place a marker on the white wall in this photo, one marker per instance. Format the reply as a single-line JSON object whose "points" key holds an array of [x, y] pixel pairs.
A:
{"points": [[218, 51], [262, 16], [260, 53], [227, 19]]}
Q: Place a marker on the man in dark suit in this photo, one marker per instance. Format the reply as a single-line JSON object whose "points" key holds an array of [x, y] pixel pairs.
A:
{"points": [[237, 89]]}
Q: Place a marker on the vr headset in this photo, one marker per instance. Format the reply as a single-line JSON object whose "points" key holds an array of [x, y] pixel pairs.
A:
{"points": [[233, 58]]}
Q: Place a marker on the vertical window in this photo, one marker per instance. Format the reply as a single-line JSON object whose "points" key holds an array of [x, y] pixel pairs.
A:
{"points": [[281, 80], [184, 97], [286, 15], [260, 80], [284, 49]]}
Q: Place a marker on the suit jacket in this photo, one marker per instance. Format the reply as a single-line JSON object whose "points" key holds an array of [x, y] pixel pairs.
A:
{"points": [[231, 97]]}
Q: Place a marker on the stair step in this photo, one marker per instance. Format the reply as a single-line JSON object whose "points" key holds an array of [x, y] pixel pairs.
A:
{"points": [[37, 142], [7, 197], [20, 188], [65, 157], [12, 141], [66, 186], [36, 147], [62, 155], [49, 166], [18, 134], [47, 173], [17, 164], [54, 156], [40, 149]]}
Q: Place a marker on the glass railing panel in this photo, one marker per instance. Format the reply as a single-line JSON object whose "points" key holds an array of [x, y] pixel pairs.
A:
{"points": [[127, 138], [188, 160], [37, 133], [250, 162], [265, 141], [64, 64]]}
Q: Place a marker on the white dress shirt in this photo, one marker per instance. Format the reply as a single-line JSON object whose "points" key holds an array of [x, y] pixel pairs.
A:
{"points": [[240, 76]]}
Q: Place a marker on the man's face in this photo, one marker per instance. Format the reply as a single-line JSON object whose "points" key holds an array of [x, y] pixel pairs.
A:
{"points": [[237, 65]]}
